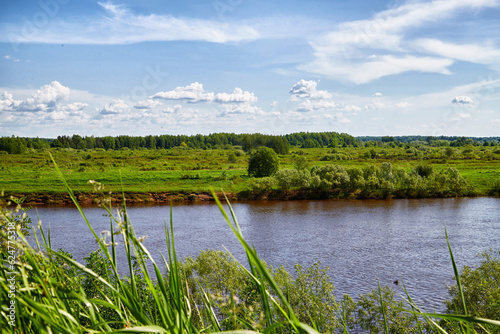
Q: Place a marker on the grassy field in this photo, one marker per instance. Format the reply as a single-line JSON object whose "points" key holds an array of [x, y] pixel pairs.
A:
{"points": [[184, 170]]}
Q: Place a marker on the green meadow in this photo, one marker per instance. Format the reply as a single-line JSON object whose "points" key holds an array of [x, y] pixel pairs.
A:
{"points": [[185, 170]]}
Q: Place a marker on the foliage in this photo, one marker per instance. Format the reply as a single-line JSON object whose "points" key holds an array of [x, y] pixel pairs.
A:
{"points": [[379, 308], [263, 162], [424, 170], [481, 290], [336, 156], [262, 184], [495, 188], [310, 295]]}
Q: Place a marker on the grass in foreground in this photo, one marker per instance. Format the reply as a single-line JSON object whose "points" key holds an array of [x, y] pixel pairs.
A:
{"points": [[47, 296]]}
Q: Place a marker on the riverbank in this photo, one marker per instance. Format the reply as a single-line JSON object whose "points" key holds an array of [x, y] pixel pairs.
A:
{"points": [[92, 199]]}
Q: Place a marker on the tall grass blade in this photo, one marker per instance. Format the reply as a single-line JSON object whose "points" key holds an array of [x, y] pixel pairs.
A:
{"points": [[457, 274], [382, 305]]}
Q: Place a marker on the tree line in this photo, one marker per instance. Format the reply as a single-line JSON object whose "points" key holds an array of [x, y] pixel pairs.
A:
{"points": [[248, 142]]}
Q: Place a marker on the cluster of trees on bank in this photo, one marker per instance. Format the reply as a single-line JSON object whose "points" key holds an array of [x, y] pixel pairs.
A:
{"points": [[279, 143], [371, 181]]}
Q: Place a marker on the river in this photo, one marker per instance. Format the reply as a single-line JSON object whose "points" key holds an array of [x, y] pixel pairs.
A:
{"points": [[359, 240]]}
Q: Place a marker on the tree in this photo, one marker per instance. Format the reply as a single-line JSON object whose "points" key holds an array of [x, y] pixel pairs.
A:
{"points": [[263, 162]]}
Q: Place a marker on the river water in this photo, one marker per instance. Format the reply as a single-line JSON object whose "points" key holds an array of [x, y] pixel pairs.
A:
{"points": [[361, 241]]}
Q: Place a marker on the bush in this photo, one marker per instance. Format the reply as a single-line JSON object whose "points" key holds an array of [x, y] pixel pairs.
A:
{"points": [[329, 177], [264, 184], [336, 156], [286, 178], [231, 157], [263, 162], [424, 170], [495, 188], [481, 287]]}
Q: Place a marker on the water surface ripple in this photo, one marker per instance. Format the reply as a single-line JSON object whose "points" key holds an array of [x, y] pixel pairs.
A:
{"points": [[360, 241]]}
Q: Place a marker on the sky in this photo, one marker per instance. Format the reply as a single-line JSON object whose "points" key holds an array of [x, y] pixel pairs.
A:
{"points": [[367, 68]]}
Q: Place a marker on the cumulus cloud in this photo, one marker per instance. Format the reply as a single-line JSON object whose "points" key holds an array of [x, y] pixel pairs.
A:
{"points": [[190, 93], [195, 92], [404, 104], [148, 104], [238, 95], [307, 89], [236, 109], [121, 26], [49, 98], [175, 109], [462, 100], [116, 107], [378, 94], [375, 105], [7, 102], [337, 117], [350, 108], [311, 105]]}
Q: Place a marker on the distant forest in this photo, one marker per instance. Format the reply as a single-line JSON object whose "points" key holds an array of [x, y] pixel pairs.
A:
{"points": [[280, 143]]}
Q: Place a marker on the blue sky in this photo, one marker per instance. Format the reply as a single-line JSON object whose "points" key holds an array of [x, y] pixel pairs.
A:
{"points": [[187, 67]]}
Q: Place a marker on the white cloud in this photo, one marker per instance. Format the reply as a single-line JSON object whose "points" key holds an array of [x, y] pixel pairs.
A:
{"points": [[350, 108], [311, 105], [404, 104], [175, 109], [361, 72], [462, 100], [347, 53], [307, 89], [7, 102], [337, 117], [378, 94], [375, 105], [474, 53], [238, 95], [74, 107], [148, 104], [191, 93], [116, 107], [195, 92], [14, 59], [122, 26], [49, 98], [238, 108]]}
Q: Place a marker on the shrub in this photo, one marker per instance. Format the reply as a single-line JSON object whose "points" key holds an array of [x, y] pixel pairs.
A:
{"points": [[424, 170], [495, 188], [286, 178], [481, 287], [336, 156], [263, 162], [329, 177], [231, 157], [263, 184]]}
